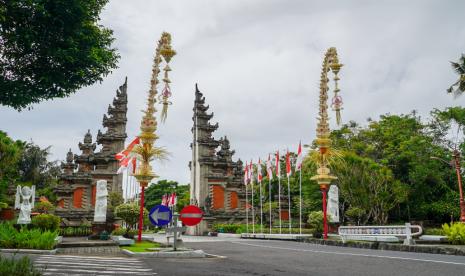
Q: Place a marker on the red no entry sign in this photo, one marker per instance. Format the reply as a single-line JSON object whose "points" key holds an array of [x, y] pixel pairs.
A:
{"points": [[191, 215]]}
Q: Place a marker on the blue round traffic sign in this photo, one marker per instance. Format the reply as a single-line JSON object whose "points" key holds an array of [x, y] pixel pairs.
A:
{"points": [[160, 215]]}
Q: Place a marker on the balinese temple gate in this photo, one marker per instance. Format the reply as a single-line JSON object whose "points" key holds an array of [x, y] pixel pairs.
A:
{"points": [[216, 180]]}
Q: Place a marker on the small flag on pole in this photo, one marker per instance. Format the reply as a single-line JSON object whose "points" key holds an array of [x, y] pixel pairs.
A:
{"points": [[278, 167], [251, 171], [123, 164], [173, 199], [163, 200], [269, 168], [246, 174], [259, 171], [300, 158], [288, 164]]}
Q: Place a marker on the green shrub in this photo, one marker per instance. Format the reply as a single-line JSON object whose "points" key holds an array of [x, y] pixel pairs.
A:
{"points": [[315, 220], [7, 234], [355, 214], [129, 212], [17, 267], [118, 231], [44, 207], [78, 231], [434, 231], [226, 228], [26, 238], [3, 205], [455, 232], [46, 222]]}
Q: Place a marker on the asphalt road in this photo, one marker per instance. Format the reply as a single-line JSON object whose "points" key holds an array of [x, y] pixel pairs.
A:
{"points": [[254, 257]]}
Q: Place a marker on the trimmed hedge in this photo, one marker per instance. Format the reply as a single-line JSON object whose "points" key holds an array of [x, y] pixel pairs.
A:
{"points": [[46, 222]]}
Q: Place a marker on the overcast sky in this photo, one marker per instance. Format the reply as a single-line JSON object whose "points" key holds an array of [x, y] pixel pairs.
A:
{"points": [[258, 65]]}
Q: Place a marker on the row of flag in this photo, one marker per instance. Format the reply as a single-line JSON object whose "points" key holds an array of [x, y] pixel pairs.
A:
{"points": [[169, 200], [249, 167]]}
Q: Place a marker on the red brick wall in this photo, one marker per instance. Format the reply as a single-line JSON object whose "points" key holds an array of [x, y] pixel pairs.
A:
{"points": [[77, 197], [234, 200], [218, 197]]}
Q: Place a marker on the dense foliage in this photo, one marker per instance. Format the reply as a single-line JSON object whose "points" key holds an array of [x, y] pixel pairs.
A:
{"points": [[10, 154], [76, 231], [393, 169], [46, 222], [129, 213], [26, 238], [17, 267], [51, 48], [455, 232], [25, 163]]}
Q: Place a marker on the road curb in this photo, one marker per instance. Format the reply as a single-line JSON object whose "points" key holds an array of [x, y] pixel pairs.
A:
{"points": [[167, 254], [389, 246], [29, 251]]}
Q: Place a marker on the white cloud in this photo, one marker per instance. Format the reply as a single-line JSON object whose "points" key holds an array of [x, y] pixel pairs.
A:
{"points": [[258, 64]]}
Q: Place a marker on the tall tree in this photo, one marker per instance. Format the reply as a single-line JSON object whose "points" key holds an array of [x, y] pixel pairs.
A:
{"points": [[10, 154], [35, 168], [458, 87], [51, 48]]}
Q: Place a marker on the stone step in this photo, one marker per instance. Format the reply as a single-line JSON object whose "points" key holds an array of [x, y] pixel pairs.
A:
{"points": [[86, 243]]}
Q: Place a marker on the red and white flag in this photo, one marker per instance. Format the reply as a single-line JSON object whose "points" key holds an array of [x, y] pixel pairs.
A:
{"points": [[246, 174], [132, 165], [288, 164], [163, 200], [300, 158], [173, 199], [269, 168], [278, 167], [259, 171], [123, 165], [251, 172], [125, 153]]}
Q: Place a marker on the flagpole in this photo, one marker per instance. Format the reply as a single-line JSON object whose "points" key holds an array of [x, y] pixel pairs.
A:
{"points": [[289, 202], [253, 209], [125, 183], [300, 201], [246, 209], [261, 208], [279, 201], [269, 191]]}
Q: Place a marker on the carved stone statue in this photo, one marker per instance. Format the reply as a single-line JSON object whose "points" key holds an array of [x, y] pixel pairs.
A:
{"points": [[100, 214], [333, 203], [26, 205]]}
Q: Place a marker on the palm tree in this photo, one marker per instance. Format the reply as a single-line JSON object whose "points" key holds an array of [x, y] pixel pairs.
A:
{"points": [[459, 86]]}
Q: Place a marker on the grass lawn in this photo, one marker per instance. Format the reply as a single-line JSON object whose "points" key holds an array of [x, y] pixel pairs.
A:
{"points": [[141, 246]]}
